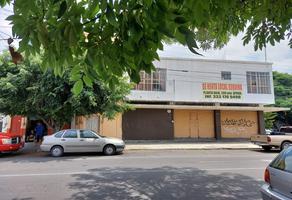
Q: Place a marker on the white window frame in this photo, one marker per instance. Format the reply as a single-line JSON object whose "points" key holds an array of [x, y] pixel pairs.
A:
{"points": [[258, 82], [155, 81]]}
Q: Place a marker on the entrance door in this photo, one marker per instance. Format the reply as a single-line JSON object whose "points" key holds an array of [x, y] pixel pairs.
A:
{"points": [[194, 125], [92, 122], [148, 124], [15, 125]]}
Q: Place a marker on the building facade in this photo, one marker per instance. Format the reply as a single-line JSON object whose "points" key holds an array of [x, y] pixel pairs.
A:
{"points": [[195, 98]]}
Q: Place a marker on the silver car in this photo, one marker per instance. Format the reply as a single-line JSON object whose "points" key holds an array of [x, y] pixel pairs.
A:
{"points": [[75, 140], [278, 177]]}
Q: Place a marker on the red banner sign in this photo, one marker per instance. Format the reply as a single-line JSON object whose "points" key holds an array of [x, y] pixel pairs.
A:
{"points": [[221, 86], [222, 90]]}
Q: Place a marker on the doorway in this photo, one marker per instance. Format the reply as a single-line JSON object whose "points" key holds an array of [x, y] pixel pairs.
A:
{"points": [[30, 129], [194, 124]]}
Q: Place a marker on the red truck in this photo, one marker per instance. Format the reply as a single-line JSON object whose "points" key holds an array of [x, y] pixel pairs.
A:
{"points": [[12, 131]]}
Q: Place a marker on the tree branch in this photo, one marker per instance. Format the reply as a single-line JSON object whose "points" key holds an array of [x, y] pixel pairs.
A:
{"points": [[93, 19]]}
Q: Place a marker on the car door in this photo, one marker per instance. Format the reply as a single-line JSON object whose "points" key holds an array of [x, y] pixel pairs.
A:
{"points": [[281, 173], [91, 141], [70, 141]]}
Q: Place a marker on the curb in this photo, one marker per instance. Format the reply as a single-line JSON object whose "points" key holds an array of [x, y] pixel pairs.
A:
{"points": [[191, 148]]}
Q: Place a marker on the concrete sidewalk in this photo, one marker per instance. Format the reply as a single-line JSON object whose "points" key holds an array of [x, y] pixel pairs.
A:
{"points": [[169, 145], [190, 145]]}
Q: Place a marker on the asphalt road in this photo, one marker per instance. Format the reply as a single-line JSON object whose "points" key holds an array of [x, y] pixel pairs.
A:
{"points": [[180, 174]]}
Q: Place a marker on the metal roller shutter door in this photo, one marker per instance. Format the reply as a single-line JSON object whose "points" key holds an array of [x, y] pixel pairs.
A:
{"points": [[148, 124]]}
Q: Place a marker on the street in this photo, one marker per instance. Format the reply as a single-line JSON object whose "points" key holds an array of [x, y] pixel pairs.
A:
{"points": [[152, 174]]}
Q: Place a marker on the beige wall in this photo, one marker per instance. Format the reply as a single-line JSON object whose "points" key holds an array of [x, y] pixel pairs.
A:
{"points": [[239, 124], [90, 122], [79, 122], [193, 124], [111, 128]]}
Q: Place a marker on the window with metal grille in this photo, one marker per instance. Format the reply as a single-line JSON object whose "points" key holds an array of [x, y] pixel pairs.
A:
{"points": [[225, 75], [258, 82], [155, 81]]}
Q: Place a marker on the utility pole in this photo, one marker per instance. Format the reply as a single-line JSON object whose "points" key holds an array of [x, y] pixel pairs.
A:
{"points": [[265, 53]]}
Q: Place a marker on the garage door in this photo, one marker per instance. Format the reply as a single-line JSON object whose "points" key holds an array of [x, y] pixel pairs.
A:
{"points": [[148, 124], [194, 124]]}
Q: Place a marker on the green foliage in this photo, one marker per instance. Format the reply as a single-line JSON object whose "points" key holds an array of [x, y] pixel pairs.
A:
{"points": [[106, 39], [4, 2], [26, 90], [270, 118], [283, 96]]}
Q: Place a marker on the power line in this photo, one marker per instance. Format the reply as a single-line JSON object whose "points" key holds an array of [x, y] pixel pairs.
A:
{"points": [[8, 38], [203, 82], [210, 77], [2, 38], [7, 11], [11, 11], [205, 72], [5, 33]]}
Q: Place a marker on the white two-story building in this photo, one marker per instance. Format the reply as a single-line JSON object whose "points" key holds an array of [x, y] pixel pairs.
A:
{"points": [[196, 98]]}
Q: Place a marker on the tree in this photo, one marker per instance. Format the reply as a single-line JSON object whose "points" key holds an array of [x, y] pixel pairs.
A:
{"points": [[26, 90], [103, 39], [283, 97], [270, 119]]}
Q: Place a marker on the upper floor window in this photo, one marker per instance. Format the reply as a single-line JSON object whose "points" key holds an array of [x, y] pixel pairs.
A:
{"points": [[155, 81], [258, 82], [225, 75]]}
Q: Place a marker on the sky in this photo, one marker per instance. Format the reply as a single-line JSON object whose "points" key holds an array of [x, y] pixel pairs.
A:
{"points": [[280, 54]]}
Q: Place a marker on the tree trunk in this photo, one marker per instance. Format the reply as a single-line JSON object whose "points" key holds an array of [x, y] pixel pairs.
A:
{"points": [[51, 124]]}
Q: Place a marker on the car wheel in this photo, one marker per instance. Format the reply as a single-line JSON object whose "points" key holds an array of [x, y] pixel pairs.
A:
{"points": [[109, 150], [266, 148], [285, 145], [57, 151]]}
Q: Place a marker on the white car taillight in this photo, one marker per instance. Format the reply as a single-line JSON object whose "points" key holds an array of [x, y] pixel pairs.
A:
{"points": [[6, 141]]}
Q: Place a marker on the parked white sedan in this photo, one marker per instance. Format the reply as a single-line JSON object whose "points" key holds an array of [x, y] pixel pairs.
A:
{"points": [[278, 177], [75, 140]]}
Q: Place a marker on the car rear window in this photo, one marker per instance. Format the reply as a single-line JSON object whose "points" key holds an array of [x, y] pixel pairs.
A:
{"points": [[286, 130], [59, 134], [283, 161]]}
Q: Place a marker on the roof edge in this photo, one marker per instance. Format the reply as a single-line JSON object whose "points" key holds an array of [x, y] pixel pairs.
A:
{"points": [[201, 107], [215, 60]]}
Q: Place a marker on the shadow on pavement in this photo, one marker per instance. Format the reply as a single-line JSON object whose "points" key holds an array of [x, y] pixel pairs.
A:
{"points": [[32, 153], [163, 183], [44, 157], [272, 151]]}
